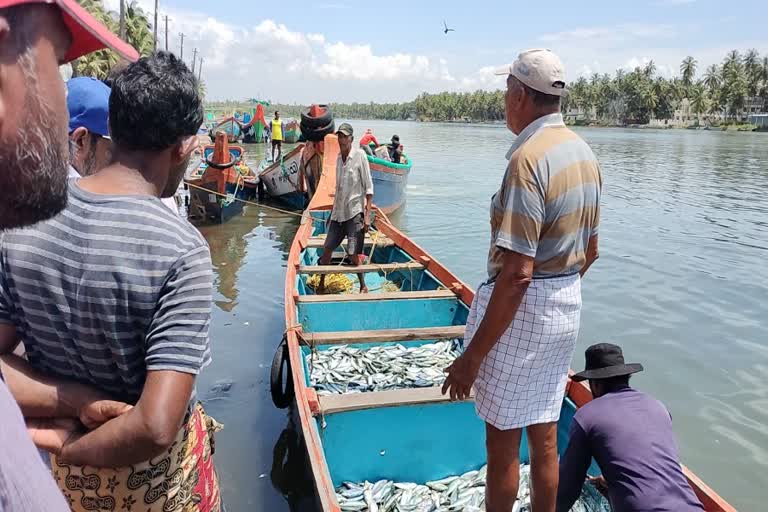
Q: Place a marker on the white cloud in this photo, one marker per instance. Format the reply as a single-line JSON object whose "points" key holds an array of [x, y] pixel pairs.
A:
{"points": [[612, 34]]}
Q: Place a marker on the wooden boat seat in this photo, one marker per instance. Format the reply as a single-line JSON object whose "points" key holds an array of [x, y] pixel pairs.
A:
{"points": [[348, 269], [317, 242], [330, 404], [359, 297], [447, 332]]}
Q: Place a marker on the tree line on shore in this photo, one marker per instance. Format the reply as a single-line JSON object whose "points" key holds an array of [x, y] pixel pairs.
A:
{"points": [[635, 97]]}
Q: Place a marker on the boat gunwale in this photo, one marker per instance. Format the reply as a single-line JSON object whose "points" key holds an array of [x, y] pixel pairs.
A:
{"points": [[274, 166], [306, 399]]}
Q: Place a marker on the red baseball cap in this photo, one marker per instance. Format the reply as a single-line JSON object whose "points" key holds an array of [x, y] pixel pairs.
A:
{"points": [[88, 34]]}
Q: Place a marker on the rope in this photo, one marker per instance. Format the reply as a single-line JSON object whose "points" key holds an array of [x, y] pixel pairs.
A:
{"points": [[287, 212]]}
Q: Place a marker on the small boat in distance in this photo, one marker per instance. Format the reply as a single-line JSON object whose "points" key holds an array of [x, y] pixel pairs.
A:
{"points": [[400, 434], [291, 132], [389, 182], [281, 179], [230, 126], [222, 180]]}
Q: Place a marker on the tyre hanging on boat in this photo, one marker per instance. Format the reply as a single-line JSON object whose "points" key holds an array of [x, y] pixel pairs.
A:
{"points": [[318, 134], [282, 393], [316, 116]]}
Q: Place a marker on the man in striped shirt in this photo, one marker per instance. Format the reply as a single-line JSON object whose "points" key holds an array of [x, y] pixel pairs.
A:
{"points": [[115, 293], [524, 322]]}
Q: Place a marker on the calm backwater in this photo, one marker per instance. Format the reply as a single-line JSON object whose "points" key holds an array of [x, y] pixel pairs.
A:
{"points": [[681, 284]]}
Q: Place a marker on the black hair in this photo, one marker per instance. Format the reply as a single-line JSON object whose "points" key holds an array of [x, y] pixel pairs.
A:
{"points": [[614, 383], [155, 101]]}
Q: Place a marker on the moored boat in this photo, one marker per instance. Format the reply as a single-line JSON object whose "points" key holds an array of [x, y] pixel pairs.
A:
{"points": [[389, 182], [291, 132], [230, 126], [401, 434], [221, 182], [281, 180]]}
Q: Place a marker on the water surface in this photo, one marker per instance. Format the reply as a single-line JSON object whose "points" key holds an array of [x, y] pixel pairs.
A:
{"points": [[681, 285]]}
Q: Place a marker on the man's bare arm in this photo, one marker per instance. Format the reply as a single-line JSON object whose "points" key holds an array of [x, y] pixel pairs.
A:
{"points": [[592, 254], [508, 292], [40, 396], [8, 338], [143, 432]]}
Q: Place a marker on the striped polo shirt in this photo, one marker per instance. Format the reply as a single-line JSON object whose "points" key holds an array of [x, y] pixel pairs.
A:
{"points": [[112, 287], [548, 205]]}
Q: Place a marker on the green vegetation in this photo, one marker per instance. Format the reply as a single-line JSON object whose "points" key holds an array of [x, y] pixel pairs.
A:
{"points": [[138, 32], [635, 97]]}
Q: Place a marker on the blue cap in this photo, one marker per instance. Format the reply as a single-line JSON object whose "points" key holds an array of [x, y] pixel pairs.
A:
{"points": [[88, 105]]}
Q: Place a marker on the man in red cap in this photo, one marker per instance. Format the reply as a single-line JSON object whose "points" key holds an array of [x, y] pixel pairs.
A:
{"points": [[35, 37]]}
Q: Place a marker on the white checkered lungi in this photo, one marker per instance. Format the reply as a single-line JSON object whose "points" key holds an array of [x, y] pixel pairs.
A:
{"points": [[522, 379]]}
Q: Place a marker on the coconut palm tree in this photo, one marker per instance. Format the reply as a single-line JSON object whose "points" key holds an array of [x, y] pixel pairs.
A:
{"points": [[688, 70], [699, 103], [752, 68], [650, 69]]}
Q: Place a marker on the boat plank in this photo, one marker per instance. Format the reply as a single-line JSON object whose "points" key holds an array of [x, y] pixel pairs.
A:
{"points": [[349, 269], [318, 242], [447, 332], [330, 404], [358, 297]]}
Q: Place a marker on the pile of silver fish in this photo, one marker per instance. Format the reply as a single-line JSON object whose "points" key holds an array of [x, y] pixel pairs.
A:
{"points": [[346, 369], [454, 493]]}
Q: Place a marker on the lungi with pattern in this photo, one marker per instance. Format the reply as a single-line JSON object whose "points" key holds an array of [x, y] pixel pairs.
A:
{"points": [[522, 380], [183, 479]]}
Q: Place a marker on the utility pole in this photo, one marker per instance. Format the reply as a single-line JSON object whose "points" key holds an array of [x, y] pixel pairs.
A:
{"points": [[166, 32], [122, 20], [156, 2], [200, 70], [182, 45], [194, 60]]}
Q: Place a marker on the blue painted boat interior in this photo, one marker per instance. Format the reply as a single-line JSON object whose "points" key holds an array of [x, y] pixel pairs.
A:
{"points": [[416, 443]]}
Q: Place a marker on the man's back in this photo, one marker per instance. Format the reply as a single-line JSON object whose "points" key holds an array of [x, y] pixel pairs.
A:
{"points": [[112, 287], [631, 438]]}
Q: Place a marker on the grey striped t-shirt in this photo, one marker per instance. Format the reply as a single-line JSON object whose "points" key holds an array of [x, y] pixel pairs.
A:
{"points": [[112, 287]]}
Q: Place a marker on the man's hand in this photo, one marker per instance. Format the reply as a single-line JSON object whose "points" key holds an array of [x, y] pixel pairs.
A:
{"points": [[95, 413], [366, 222], [50, 434], [461, 376], [600, 484]]}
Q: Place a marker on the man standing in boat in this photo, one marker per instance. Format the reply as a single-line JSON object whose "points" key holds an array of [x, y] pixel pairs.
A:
{"points": [[523, 324], [277, 136], [351, 213], [629, 434]]}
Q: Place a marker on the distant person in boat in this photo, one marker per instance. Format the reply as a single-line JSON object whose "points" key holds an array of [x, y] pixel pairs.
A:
{"points": [[36, 37], [395, 149], [126, 289], [352, 202], [629, 434], [368, 140], [90, 147], [311, 167], [523, 324], [277, 136]]}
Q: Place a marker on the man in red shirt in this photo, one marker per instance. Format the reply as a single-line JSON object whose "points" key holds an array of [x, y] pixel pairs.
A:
{"points": [[366, 140]]}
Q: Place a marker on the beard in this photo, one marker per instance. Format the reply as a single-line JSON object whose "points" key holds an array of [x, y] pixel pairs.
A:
{"points": [[33, 167]]}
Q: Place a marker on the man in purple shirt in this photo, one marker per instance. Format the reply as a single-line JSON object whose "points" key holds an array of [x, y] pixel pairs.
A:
{"points": [[629, 434], [35, 37]]}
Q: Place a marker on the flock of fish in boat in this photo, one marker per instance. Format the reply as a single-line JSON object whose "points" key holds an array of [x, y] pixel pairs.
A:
{"points": [[465, 492], [348, 369]]}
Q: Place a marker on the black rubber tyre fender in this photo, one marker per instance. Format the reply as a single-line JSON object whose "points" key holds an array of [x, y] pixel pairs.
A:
{"points": [[318, 134], [282, 396], [317, 122]]}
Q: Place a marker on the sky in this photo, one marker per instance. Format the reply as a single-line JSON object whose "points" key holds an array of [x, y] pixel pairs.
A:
{"points": [[351, 51]]}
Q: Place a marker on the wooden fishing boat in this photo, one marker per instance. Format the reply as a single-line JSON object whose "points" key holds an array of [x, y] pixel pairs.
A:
{"points": [[281, 180], [230, 126], [411, 435], [291, 132], [221, 181], [389, 182]]}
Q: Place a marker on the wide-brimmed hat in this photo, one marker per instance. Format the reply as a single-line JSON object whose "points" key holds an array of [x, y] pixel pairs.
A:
{"points": [[605, 360], [88, 34]]}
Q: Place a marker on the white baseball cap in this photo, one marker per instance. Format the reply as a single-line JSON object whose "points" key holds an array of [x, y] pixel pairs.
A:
{"points": [[540, 70]]}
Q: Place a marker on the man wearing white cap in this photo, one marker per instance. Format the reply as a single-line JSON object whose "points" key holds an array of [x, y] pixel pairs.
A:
{"points": [[524, 321]]}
